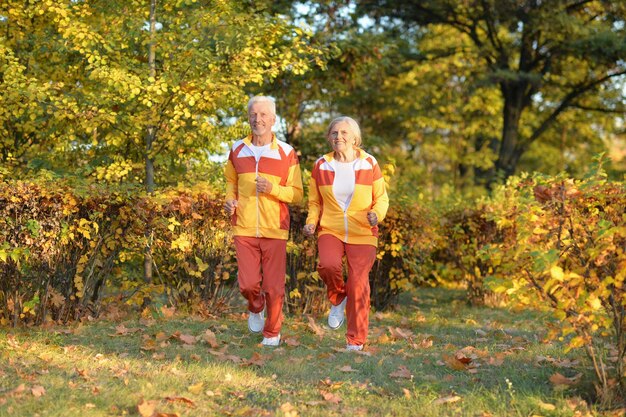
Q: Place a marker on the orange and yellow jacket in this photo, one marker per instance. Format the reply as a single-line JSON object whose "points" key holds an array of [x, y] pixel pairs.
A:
{"points": [[262, 214], [350, 226]]}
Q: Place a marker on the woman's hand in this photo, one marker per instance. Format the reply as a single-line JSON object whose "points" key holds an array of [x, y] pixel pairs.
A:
{"points": [[309, 230], [372, 218]]}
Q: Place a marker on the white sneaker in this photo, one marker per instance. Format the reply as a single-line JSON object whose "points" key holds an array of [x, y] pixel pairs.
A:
{"points": [[256, 321], [354, 347], [337, 314], [271, 341]]}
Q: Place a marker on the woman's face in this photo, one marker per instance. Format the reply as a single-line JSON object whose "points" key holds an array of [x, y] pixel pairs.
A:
{"points": [[341, 137]]}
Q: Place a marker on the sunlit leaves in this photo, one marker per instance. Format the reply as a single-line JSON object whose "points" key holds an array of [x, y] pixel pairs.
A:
{"points": [[82, 88]]}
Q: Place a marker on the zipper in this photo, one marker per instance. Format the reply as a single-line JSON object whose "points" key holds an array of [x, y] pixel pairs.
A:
{"points": [[258, 207]]}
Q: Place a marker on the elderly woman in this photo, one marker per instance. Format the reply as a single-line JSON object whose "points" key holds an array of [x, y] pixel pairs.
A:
{"points": [[347, 200]]}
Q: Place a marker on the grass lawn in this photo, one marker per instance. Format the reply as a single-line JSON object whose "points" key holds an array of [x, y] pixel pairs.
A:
{"points": [[432, 356]]}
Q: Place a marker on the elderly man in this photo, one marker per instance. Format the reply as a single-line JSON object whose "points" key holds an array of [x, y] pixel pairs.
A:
{"points": [[262, 176]]}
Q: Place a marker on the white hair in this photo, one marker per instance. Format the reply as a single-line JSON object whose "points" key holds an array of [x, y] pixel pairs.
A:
{"points": [[263, 99]]}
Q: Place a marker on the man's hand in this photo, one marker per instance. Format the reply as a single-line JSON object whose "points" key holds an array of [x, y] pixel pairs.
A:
{"points": [[230, 207], [263, 185], [308, 229], [372, 218]]}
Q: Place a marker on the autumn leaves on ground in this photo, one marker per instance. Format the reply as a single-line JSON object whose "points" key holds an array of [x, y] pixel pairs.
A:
{"points": [[432, 356]]}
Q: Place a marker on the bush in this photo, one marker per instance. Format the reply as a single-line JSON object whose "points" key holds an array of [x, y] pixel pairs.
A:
{"points": [[69, 250], [570, 253], [58, 246]]}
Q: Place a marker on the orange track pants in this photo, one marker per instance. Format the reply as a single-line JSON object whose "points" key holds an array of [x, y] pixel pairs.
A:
{"points": [[262, 264], [360, 259]]}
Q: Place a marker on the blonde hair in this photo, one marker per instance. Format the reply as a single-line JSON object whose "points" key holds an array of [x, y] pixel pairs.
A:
{"points": [[263, 99], [354, 128]]}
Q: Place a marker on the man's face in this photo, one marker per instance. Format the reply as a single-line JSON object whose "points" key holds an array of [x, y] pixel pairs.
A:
{"points": [[261, 118]]}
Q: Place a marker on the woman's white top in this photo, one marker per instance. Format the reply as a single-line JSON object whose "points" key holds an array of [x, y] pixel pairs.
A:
{"points": [[343, 184]]}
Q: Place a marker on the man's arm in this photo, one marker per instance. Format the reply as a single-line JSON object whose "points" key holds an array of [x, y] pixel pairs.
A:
{"points": [[292, 191]]}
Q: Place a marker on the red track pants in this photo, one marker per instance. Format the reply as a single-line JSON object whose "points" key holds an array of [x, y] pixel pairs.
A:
{"points": [[360, 259], [262, 267]]}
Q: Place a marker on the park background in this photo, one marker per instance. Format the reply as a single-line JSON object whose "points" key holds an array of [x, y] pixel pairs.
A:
{"points": [[499, 126]]}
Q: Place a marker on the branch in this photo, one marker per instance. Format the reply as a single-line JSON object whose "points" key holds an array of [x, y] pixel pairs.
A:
{"points": [[576, 5], [491, 30], [599, 109], [565, 103]]}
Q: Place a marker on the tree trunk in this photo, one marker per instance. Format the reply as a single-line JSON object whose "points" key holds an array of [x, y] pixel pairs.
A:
{"points": [[149, 139], [510, 149]]}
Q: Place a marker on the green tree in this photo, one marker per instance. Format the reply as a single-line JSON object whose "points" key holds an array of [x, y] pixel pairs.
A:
{"points": [[161, 84], [139, 87], [547, 59]]}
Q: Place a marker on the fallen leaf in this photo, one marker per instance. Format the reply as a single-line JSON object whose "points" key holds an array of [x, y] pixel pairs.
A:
{"points": [[168, 312], [82, 373], [16, 391], [147, 321], [38, 391], [558, 379], [401, 372], [196, 388], [347, 368], [330, 384], [256, 359], [210, 338], [182, 400], [160, 337], [185, 338], [425, 343], [146, 408], [465, 360], [291, 341], [453, 362], [12, 341], [288, 410], [398, 333], [149, 344], [447, 399], [496, 360], [317, 329], [122, 330], [330, 397], [546, 406], [576, 402], [420, 318]]}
